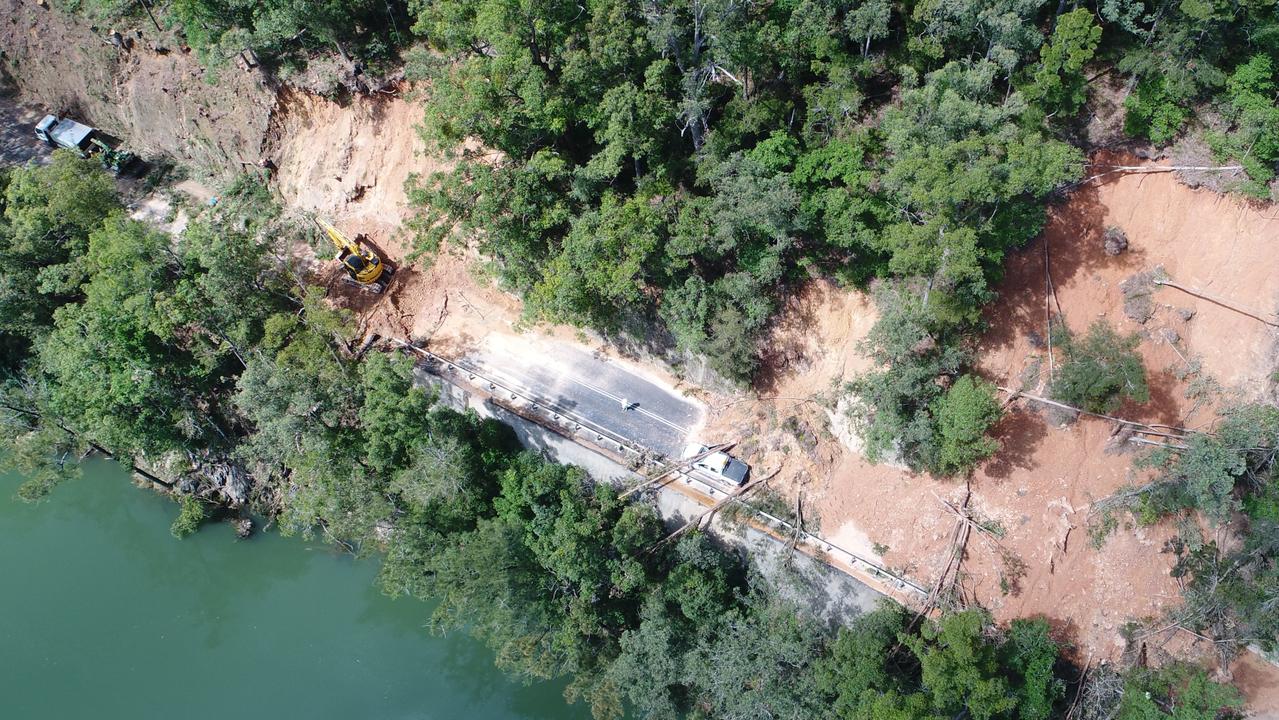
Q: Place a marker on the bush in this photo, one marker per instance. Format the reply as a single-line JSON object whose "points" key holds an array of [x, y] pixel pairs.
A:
{"points": [[190, 516], [1100, 371]]}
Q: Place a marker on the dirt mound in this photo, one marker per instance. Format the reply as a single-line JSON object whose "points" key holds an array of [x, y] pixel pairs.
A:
{"points": [[161, 102]]}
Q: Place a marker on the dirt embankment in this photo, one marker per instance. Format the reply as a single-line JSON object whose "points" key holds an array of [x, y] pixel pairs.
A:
{"points": [[1040, 485], [161, 103]]}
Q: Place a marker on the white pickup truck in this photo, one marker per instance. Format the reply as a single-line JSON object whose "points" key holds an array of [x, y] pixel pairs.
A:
{"points": [[723, 466], [63, 133]]}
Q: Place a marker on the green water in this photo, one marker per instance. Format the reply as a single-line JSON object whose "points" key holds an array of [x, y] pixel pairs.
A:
{"points": [[104, 615]]}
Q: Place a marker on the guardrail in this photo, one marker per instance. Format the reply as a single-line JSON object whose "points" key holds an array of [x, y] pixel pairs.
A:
{"points": [[654, 459], [477, 376]]}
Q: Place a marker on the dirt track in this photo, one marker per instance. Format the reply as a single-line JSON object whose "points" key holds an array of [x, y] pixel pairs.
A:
{"points": [[18, 144]]}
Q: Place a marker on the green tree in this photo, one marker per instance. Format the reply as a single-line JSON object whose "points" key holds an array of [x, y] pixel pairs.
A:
{"points": [[1100, 371], [893, 406], [959, 669], [860, 667], [1031, 657], [1057, 84], [965, 414], [1254, 139], [758, 662], [46, 216]]}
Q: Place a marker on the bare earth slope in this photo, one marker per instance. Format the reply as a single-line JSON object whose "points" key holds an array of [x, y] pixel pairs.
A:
{"points": [[1040, 485], [161, 102], [350, 162]]}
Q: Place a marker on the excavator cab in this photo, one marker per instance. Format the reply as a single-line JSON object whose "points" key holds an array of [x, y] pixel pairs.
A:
{"points": [[363, 266]]}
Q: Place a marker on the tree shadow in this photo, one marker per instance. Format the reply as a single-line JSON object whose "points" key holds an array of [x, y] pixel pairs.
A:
{"points": [[788, 349], [1064, 632], [1018, 434], [1074, 235], [1164, 405]]}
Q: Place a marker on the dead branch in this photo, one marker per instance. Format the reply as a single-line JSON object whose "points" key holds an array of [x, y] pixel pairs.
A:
{"points": [[1254, 314], [1155, 443], [966, 516], [1144, 170], [699, 521], [671, 468], [1083, 678], [764, 398], [1048, 313], [1137, 426], [799, 522], [1120, 498], [954, 559], [468, 304]]}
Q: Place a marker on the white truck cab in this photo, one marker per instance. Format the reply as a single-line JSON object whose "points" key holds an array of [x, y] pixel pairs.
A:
{"points": [[723, 466], [64, 133]]}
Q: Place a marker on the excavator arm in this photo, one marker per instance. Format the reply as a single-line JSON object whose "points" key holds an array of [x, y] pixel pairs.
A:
{"points": [[362, 265], [340, 241]]}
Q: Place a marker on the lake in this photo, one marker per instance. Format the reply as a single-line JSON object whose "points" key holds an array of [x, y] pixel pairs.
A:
{"points": [[105, 615]]}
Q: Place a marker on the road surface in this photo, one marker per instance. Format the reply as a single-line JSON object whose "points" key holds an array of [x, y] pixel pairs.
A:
{"points": [[18, 143], [606, 392]]}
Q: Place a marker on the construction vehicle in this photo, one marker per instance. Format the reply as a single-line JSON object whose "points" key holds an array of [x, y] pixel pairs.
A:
{"points": [[84, 141], [363, 266]]}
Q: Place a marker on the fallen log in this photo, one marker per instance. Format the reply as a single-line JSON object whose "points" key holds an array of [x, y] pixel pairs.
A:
{"points": [[1254, 314]]}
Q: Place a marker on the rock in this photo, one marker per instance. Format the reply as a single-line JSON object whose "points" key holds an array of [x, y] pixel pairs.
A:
{"points": [[1115, 241], [1185, 313], [1139, 306]]}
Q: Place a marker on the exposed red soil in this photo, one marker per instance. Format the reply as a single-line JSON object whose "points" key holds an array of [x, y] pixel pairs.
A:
{"points": [[1038, 488]]}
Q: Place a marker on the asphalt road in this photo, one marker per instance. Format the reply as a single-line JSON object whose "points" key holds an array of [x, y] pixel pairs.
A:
{"points": [[597, 389]]}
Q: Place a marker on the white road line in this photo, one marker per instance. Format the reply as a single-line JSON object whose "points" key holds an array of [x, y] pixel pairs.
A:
{"points": [[529, 383], [640, 409]]}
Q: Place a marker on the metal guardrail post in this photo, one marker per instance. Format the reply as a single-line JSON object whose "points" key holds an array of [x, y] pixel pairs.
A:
{"points": [[824, 545]]}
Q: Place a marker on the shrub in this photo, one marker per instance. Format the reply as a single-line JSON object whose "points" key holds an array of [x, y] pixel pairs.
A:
{"points": [[190, 516], [1100, 371]]}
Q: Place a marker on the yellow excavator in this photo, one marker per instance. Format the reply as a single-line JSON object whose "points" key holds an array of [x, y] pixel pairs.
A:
{"points": [[363, 266]]}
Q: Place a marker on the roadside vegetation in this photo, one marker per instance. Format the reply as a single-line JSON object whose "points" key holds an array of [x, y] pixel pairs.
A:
{"points": [[672, 171], [194, 356]]}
